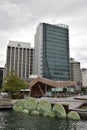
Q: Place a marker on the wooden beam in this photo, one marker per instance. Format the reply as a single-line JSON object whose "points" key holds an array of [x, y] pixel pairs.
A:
{"points": [[41, 90]]}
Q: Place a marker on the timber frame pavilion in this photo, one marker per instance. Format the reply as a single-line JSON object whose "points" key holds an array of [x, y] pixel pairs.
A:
{"points": [[39, 86]]}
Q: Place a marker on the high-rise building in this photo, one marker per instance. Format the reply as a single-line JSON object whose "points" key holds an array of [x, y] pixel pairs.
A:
{"points": [[75, 72], [19, 59], [1, 76], [52, 51], [84, 77]]}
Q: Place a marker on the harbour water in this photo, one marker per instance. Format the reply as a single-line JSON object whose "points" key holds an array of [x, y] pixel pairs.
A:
{"points": [[10, 120]]}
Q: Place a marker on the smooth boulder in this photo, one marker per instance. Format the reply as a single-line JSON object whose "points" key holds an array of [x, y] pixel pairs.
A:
{"points": [[34, 113], [49, 114], [59, 111], [30, 104], [18, 106], [72, 115], [44, 106], [25, 111]]}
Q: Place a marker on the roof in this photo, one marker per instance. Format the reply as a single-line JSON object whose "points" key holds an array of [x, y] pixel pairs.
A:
{"points": [[52, 82]]}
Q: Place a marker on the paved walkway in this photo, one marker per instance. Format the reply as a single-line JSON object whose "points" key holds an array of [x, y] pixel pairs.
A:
{"points": [[72, 102]]}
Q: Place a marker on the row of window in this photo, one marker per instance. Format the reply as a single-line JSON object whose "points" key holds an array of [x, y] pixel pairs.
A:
{"points": [[57, 43], [13, 48], [59, 57], [48, 36], [57, 49], [56, 29], [56, 53], [57, 34]]}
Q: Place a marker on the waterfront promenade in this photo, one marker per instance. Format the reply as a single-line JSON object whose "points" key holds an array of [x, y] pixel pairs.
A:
{"points": [[71, 103], [5, 103]]}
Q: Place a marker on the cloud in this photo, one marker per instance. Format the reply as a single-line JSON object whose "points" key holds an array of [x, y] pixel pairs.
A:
{"points": [[14, 16], [19, 19]]}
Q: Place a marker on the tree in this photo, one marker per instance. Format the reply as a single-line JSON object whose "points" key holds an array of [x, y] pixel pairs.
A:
{"points": [[65, 90], [13, 84], [83, 90]]}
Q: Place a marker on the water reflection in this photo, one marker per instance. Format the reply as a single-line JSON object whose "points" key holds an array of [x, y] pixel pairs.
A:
{"points": [[11, 120]]}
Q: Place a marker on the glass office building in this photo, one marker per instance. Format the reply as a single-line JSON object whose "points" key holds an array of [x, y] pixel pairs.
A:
{"points": [[52, 51]]}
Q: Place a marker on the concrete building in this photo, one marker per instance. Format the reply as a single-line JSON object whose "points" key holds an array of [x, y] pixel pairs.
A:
{"points": [[1, 77], [19, 59], [84, 77], [52, 52], [75, 72]]}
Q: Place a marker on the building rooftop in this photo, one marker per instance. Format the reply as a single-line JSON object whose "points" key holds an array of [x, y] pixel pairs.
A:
{"points": [[63, 25], [19, 44]]}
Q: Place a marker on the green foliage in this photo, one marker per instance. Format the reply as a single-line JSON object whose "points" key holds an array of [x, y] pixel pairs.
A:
{"points": [[27, 85], [17, 95], [0, 90], [83, 90], [12, 83], [64, 90]]}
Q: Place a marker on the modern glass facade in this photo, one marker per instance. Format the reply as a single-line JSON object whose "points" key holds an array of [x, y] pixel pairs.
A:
{"points": [[55, 52]]}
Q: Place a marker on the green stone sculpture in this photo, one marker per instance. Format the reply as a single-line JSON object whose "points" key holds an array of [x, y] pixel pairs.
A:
{"points": [[30, 104], [35, 113], [25, 111], [18, 106], [59, 111], [72, 115], [49, 114], [44, 106]]}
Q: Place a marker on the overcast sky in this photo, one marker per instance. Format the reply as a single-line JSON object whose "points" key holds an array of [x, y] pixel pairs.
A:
{"points": [[19, 19]]}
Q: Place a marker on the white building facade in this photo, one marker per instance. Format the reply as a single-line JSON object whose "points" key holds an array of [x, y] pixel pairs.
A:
{"points": [[19, 59]]}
